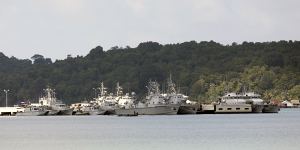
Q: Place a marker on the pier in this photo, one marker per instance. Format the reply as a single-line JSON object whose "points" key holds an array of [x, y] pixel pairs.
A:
{"points": [[8, 111]]}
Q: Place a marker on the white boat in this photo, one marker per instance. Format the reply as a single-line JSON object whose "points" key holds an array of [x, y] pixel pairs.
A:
{"points": [[238, 98], [252, 98], [86, 108], [127, 100]]}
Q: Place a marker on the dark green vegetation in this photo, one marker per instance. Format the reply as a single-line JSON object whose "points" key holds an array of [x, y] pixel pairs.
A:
{"points": [[202, 70]]}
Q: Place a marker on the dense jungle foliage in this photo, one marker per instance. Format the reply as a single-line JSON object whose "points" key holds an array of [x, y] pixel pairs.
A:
{"points": [[202, 70]]}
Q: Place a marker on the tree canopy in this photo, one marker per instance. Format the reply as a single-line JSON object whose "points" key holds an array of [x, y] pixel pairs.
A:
{"points": [[203, 70]]}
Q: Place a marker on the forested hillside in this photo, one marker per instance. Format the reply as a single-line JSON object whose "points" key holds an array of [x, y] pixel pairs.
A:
{"points": [[202, 70]]}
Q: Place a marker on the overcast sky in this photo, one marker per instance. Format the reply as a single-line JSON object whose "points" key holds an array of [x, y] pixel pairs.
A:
{"points": [[55, 28]]}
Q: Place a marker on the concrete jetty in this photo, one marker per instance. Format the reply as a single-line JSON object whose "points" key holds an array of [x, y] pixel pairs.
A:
{"points": [[10, 110]]}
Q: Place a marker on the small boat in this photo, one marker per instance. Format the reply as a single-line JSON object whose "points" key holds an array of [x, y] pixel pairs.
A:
{"points": [[89, 110], [85, 108], [270, 108]]}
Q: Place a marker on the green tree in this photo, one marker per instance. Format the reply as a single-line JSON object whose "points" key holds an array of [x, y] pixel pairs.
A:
{"points": [[294, 93]]}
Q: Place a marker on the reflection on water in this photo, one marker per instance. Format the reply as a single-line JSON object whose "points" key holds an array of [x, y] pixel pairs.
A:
{"points": [[207, 132]]}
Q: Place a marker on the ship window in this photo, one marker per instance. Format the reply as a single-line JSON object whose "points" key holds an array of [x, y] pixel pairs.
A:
{"points": [[246, 108], [220, 108], [238, 108], [228, 108]]}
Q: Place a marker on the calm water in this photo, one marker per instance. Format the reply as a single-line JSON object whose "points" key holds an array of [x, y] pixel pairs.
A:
{"points": [[208, 132]]}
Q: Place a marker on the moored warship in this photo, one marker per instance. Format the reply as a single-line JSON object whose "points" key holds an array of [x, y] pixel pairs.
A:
{"points": [[32, 110], [154, 104], [54, 106], [172, 97], [106, 103]]}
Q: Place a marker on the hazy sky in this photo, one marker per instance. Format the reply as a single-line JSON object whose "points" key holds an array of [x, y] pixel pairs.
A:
{"points": [[55, 28]]}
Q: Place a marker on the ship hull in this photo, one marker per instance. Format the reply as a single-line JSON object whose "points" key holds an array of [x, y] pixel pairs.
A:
{"points": [[157, 110], [33, 113], [53, 112], [98, 112], [270, 108], [60, 112], [187, 109], [65, 112], [109, 112], [80, 113], [105, 110], [257, 108]]}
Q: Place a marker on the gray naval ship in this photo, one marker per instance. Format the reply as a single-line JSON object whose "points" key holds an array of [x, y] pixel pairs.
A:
{"points": [[54, 106], [33, 110], [106, 103], [174, 97], [153, 104]]}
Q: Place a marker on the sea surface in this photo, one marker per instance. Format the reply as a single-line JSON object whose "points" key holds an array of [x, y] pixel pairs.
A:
{"points": [[179, 132]]}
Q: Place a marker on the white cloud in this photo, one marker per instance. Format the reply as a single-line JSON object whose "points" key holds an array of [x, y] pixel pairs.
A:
{"points": [[137, 6], [56, 28]]}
